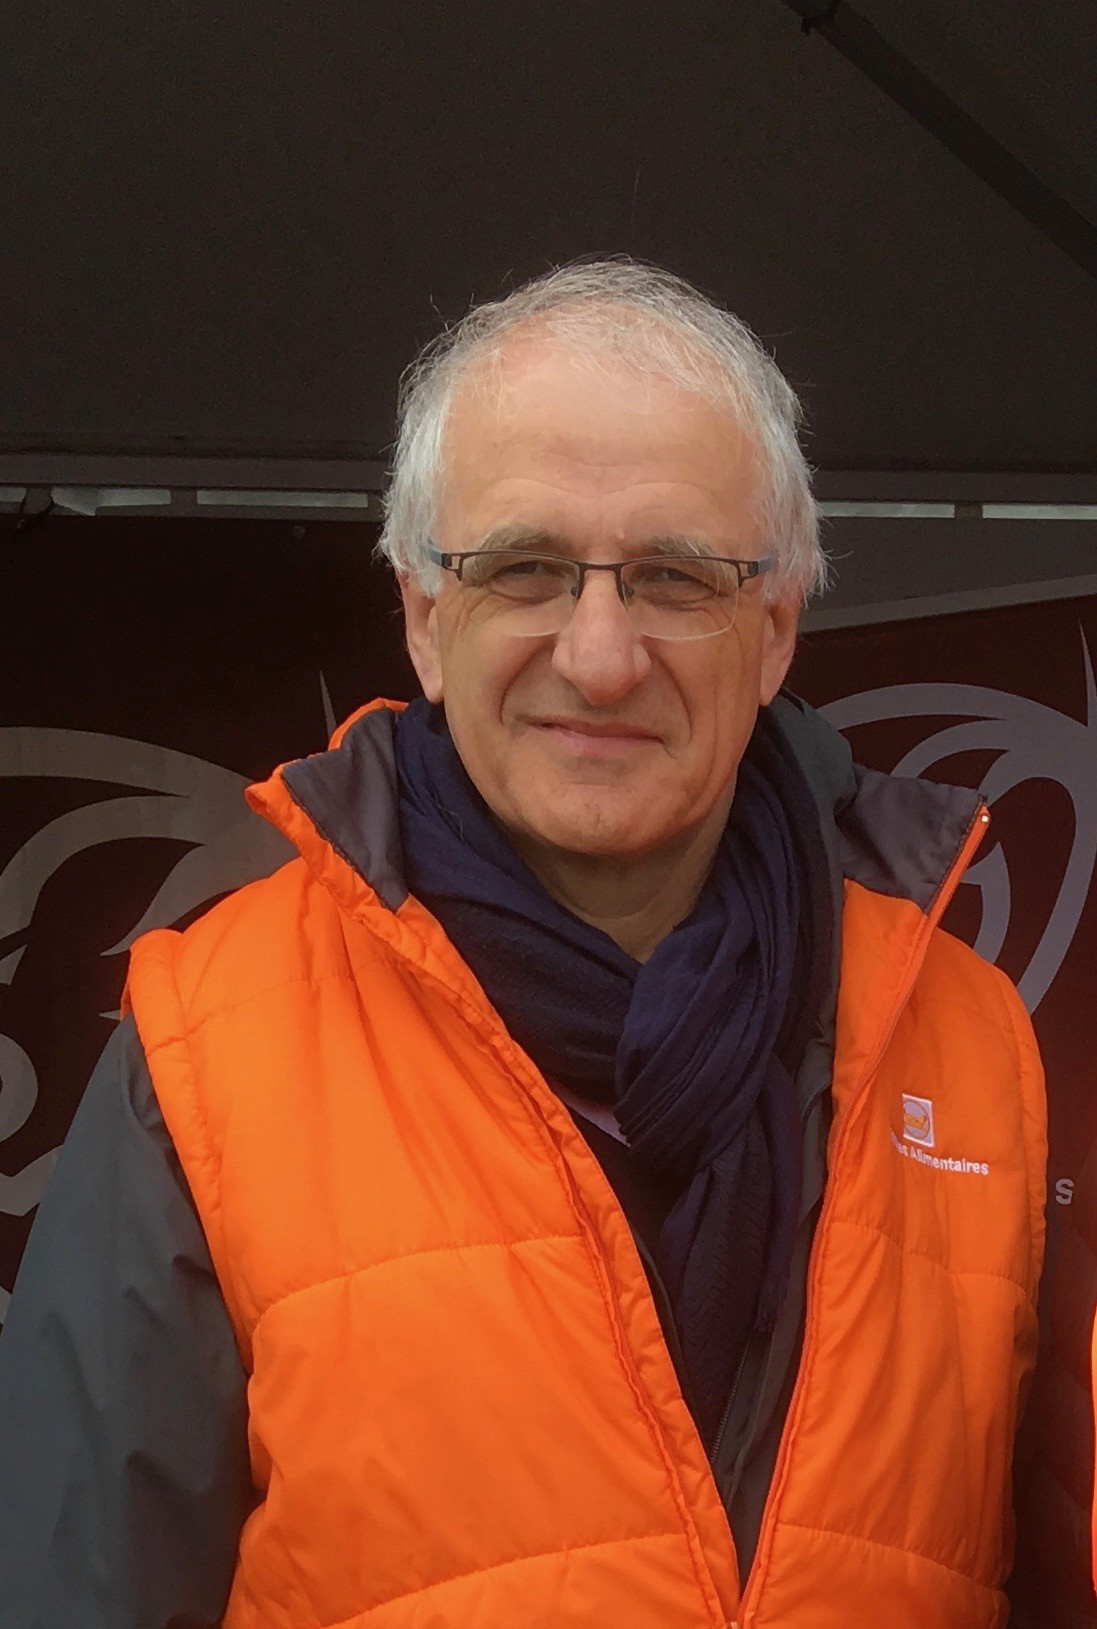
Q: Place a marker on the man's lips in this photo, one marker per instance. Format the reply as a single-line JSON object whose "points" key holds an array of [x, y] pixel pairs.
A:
{"points": [[591, 739]]}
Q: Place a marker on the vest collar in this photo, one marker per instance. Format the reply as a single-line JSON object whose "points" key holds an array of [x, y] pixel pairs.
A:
{"points": [[894, 835]]}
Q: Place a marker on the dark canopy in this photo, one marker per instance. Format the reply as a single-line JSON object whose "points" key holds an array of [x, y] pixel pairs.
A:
{"points": [[226, 228]]}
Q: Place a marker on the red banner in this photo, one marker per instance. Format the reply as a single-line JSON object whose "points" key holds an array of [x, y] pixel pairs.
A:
{"points": [[1004, 700]]}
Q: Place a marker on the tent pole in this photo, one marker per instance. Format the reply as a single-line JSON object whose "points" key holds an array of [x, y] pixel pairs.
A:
{"points": [[894, 74]]}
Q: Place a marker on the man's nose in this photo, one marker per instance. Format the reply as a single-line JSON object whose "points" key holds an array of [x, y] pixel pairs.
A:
{"points": [[599, 652]]}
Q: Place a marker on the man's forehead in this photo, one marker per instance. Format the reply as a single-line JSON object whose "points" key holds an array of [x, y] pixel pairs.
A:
{"points": [[540, 393], [533, 365]]}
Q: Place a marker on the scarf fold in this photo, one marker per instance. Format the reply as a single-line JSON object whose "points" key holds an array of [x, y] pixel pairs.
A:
{"points": [[695, 1049]]}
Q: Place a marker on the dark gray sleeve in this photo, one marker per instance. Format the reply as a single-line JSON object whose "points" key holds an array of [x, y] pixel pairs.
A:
{"points": [[124, 1477]]}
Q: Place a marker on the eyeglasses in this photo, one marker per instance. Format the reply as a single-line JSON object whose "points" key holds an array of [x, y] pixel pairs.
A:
{"points": [[668, 596]]}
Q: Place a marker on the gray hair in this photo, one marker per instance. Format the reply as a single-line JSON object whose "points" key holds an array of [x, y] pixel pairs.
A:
{"points": [[657, 323]]}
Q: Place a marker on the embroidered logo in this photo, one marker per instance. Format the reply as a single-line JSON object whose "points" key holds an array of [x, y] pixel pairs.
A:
{"points": [[918, 1129], [918, 1121]]}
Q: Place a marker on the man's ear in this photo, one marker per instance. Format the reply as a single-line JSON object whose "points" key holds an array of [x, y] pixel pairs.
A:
{"points": [[782, 619], [421, 633]]}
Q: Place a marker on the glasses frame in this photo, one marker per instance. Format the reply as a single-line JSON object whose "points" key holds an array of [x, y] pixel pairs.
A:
{"points": [[746, 570]]}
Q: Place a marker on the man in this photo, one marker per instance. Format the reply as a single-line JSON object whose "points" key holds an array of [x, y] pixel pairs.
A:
{"points": [[585, 1188]]}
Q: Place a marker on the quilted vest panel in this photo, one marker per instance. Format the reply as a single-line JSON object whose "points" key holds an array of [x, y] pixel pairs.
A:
{"points": [[462, 1408]]}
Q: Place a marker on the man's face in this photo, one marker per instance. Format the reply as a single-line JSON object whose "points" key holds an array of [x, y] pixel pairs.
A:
{"points": [[594, 740]]}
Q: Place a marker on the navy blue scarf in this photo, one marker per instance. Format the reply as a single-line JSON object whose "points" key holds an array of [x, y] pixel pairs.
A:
{"points": [[694, 1050]]}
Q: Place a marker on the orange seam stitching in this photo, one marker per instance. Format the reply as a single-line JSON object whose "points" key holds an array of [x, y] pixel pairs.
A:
{"points": [[516, 1561], [893, 1549], [923, 1255], [405, 1256]]}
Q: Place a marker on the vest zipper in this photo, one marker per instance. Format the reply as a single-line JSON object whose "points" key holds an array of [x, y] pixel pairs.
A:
{"points": [[726, 1416], [752, 1585], [666, 1314]]}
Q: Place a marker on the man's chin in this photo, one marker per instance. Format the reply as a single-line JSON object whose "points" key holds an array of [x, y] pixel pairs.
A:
{"points": [[605, 832]]}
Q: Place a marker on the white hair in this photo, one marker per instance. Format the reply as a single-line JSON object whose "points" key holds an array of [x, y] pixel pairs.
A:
{"points": [[658, 324]]}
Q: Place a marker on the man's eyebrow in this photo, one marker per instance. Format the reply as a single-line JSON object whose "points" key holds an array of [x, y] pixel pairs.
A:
{"points": [[516, 535], [676, 543], [540, 540]]}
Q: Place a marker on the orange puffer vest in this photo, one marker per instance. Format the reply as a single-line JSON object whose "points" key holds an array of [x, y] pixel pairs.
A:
{"points": [[462, 1408]]}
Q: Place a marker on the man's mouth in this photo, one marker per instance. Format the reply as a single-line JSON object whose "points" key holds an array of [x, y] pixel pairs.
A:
{"points": [[589, 738]]}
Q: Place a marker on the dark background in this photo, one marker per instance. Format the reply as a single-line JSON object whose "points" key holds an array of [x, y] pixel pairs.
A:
{"points": [[229, 227]]}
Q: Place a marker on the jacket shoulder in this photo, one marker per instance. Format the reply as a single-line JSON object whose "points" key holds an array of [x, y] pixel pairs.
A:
{"points": [[284, 928], [955, 974], [951, 958]]}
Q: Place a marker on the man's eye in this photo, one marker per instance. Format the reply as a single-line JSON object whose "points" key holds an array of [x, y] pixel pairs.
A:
{"points": [[666, 573], [683, 581], [673, 574], [525, 567]]}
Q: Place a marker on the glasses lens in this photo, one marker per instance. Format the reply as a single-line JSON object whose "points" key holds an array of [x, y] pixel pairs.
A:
{"points": [[682, 596], [526, 579]]}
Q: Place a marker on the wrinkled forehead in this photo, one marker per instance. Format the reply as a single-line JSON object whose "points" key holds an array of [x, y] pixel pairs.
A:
{"points": [[540, 405], [592, 357]]}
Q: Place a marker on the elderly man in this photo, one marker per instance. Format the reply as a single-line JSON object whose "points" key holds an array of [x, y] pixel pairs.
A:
{"points": [[586, 1187]]}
